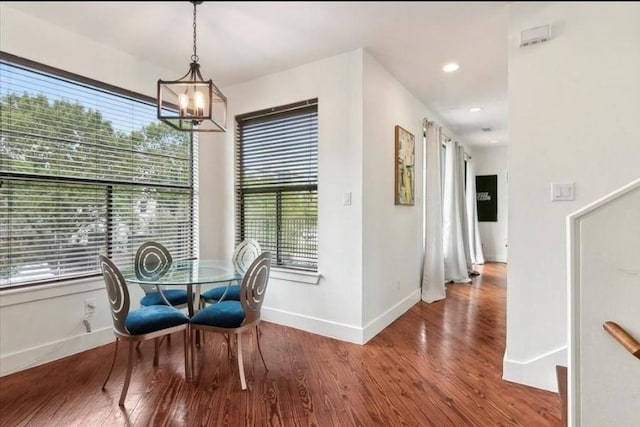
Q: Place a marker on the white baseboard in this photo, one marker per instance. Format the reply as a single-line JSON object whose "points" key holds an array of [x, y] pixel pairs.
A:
{"points": [[31, 357], [337, 330], [314, 325], [539, 372], [495, 258], [372, 328]]}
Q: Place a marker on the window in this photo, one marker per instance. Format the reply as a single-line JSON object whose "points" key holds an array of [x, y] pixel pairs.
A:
{"points": [[277, 182], [85, 168]]}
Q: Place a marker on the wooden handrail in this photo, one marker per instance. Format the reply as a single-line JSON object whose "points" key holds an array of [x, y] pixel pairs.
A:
{"points": [[623, 337]]}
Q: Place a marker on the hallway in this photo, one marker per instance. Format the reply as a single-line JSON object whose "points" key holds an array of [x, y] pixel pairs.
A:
{"points": [[462, 352]]}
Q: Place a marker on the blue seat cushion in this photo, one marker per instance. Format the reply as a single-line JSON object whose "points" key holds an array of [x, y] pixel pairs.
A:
{"points": [[224, 314], [154, 318], [216, 293], [174, 296]]}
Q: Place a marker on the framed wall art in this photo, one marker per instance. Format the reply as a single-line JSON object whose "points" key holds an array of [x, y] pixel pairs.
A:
{"points": [[405, 164], [487, 197]]}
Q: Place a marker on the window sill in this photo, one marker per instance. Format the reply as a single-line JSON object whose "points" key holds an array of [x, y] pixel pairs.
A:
{"points": [[306, 277], [13, 296]]}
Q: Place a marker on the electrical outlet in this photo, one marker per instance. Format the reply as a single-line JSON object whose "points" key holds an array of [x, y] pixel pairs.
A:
{"points": [[89, 306]]}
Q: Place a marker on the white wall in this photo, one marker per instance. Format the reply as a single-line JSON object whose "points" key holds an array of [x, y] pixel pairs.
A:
{"points": [[32, 38], [573, 117], [493, 161], [369, 252], [40, 325], [333, 307], [392, 235]]}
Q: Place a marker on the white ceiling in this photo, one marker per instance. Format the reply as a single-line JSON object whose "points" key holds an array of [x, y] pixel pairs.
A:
{"points": [[239, 41]]}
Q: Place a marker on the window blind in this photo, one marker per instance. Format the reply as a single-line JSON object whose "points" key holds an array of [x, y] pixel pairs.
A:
{"points": [[85, 168], [277, 182]]}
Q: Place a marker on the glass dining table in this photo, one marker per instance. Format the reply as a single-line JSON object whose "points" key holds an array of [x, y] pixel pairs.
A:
{"points": [[190, 273]]}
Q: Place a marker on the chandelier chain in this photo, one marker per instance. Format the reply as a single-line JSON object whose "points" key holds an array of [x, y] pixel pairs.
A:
{"points": [[194, 57]]}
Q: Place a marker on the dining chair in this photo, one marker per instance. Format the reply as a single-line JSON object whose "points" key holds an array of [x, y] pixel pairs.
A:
{"points": [[243, 255], [236, 317], [146, 323], [153, 260]]}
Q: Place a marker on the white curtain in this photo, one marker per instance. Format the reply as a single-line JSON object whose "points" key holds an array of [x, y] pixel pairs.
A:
{"points": [[475, 245], [457, 255], [433, 288]]}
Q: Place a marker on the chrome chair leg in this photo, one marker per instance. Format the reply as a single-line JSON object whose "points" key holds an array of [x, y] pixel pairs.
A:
{"points": [[260, 349], [243, 382], [188, 370], [191, 352], [127, 379], [113, 363]]}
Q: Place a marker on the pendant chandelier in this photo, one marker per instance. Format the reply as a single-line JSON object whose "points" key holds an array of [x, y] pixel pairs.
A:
{"points": [[192, 103]]}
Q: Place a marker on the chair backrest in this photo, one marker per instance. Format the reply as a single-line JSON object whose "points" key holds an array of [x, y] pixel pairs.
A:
{"points": [[254, 287], [245, 253], [117, 293], [152, 260]]}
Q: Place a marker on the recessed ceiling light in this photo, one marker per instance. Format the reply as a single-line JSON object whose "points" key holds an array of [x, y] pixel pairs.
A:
{"points": [[475, 109], [493, 141], [450, 67]]}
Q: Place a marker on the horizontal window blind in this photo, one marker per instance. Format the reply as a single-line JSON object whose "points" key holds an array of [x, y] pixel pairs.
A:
{"points": [[85, 169], [277, 182]]}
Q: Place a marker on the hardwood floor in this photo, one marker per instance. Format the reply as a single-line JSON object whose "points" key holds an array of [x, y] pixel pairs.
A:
{"points": [[439, 364]]}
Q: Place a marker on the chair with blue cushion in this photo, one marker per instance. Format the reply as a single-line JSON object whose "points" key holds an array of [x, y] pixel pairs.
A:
{"points": [[147, 323], [153, 260], [236, 317], [243, 255]]}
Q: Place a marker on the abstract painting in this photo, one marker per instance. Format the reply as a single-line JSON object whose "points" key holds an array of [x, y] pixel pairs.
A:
{"points": [[405, 161]]}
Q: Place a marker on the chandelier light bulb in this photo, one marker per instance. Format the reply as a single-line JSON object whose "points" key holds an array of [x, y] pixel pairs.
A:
{"points": [[184, 103], [198, 100]]}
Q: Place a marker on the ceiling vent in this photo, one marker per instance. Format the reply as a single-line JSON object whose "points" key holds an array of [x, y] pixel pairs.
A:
{"points": [[486, 129]]}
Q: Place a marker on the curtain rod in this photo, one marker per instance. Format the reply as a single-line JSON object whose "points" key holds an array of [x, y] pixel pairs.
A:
{"points": [[425, 123]]}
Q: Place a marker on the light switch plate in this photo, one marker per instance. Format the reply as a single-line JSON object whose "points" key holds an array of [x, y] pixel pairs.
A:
{"points": [[347, 198], [562, 192]]}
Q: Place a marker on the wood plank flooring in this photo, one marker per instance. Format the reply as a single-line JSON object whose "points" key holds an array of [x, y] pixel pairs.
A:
{"points": [[439, 364]]}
